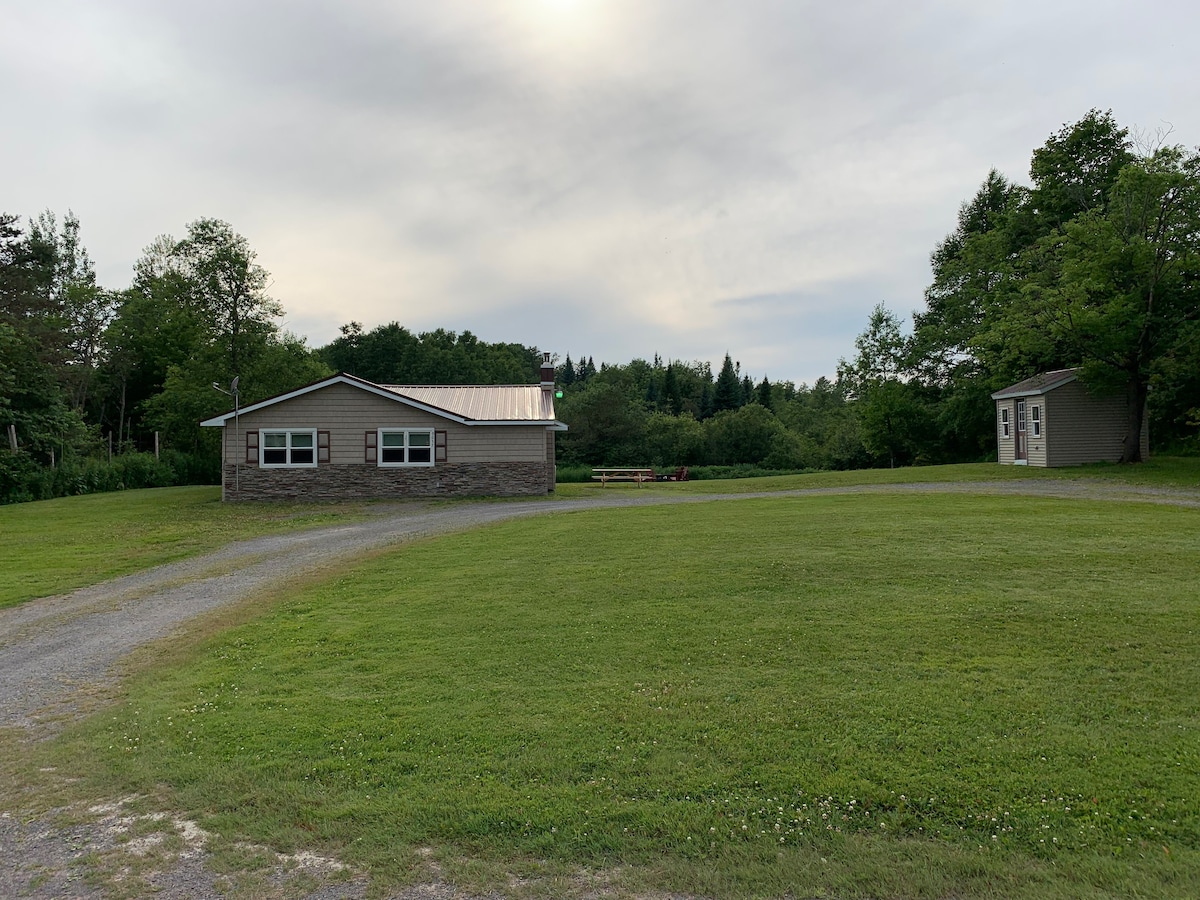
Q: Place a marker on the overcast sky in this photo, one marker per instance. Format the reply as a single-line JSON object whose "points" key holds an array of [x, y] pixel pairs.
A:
{"points": [[596, 177]]}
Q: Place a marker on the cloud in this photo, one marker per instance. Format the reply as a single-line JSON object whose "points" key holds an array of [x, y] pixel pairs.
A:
{"points": [[619, 178]]}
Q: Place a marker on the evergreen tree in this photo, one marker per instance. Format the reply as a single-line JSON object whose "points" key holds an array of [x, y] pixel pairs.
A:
{"points": [[728, 391], [671, 391], [763, 394]]}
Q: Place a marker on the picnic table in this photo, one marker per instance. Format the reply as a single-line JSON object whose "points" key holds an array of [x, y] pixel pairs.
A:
{"points": [[636, 473], [604, 476]]}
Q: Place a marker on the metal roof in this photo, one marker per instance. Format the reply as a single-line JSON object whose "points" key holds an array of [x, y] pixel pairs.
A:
{"points": [[483, 403], [489, 404], [1038, 384]]}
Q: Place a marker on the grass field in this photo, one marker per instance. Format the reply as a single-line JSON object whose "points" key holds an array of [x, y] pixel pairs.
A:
{"points": [[53, 546], [1166, 472], [871, 695]]}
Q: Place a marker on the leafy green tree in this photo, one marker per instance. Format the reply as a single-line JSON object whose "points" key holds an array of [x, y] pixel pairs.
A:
{"points": [[1076, 170], [673, 441], [1118, 284], [225, 286], [33, 347], [606, 429], [1044, 277], [741, 435], [890, 418]]}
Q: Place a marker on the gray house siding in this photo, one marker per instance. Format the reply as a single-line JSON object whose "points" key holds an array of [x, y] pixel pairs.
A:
{"points": [[495, 460]]}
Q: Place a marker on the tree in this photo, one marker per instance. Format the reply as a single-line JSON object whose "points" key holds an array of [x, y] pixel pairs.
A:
{"points": [[1046, 277], [1118, 284], [566, 373], [741, 435], [82, 308], [889, 416], [763, 394], [674, 440], [32, 345], [1076, 169], [728, 391], [226, 286], [606, 429]]}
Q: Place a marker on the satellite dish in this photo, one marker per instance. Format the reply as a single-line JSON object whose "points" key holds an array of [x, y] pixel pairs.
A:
{"points": [[233, 384]]}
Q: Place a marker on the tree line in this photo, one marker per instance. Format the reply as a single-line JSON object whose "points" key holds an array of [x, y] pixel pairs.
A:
{"points": [[1095, 264], [104, 388]]}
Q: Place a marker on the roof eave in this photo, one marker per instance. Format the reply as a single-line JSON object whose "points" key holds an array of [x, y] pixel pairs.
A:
{"points": [[1010, 394]]}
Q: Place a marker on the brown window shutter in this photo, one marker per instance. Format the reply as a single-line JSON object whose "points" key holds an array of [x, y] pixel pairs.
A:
{"points": [[252, 447], [439, 446], [373, 446], [322, 447]]}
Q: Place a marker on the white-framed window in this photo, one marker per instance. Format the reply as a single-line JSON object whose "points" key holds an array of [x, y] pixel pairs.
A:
{"points": [[1035, 420], [1020, 417], [287, 447], [406, 446], [1004, 423]]}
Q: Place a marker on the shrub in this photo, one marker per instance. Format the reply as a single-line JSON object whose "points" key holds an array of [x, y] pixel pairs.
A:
{"points": [[23, 479]]}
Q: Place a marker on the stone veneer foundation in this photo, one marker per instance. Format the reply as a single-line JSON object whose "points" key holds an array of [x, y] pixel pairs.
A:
{"points": [[497, 479]]}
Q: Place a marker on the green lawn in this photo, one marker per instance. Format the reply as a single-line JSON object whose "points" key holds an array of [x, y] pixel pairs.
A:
{"points": [[53, 546], [1165, 472], [855, 696]]}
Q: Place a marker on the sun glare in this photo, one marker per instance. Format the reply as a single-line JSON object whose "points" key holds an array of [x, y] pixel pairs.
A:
{"points": [[574, 23]]}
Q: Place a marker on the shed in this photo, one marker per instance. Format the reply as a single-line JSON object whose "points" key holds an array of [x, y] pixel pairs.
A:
{"points": [[1052, 419], [348, 438]]}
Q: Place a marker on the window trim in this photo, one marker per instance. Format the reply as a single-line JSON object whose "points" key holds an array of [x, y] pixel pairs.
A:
{"points": [[1035, 420], [1004, 423], [379, 461], [263, 448]]}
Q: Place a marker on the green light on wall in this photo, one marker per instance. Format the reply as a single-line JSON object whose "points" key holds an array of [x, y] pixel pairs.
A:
{"points": [[558, 395]]}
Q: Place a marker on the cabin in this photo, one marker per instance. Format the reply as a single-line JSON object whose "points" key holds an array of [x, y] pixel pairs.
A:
{"points": [[1052, 419], [346, 438]]}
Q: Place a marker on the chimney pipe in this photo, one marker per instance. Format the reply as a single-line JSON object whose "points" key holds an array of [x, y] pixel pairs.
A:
{"points": [[547, 372]]}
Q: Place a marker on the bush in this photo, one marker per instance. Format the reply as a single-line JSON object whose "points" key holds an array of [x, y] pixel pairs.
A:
{"points": [[713, 473], [573, 474], [22, 478]]}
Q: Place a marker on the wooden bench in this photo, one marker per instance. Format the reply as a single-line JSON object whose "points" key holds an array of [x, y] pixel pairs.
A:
{"points": [[604, 476]]}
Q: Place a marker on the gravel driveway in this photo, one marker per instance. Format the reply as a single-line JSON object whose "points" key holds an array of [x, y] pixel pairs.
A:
{"points": [[56, 653]]}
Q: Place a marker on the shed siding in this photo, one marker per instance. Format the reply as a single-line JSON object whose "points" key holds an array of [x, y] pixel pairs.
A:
{"points": [[1006, 446], [1036, 447], [1084, 428], [1077, 427]]}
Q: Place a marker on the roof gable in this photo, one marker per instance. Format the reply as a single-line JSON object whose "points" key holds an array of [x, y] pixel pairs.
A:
{"points": [[467, 404], [1038, 384]]}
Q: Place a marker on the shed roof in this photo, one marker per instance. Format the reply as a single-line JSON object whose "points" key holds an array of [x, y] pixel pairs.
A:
{"points": [[1038, 384], [493, 404]]}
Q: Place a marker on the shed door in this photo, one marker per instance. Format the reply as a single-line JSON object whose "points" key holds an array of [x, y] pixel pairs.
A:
{"points": [[1020, 449]]}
